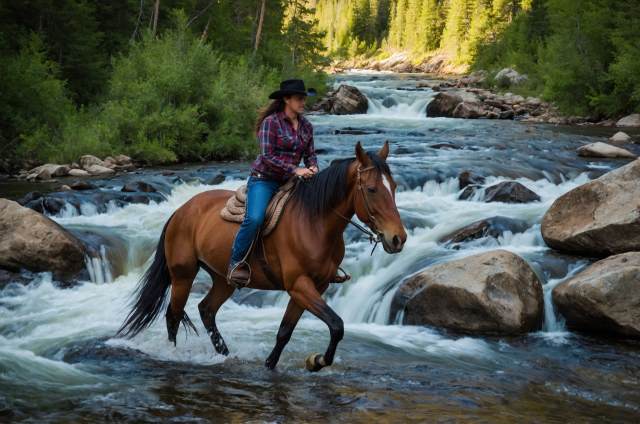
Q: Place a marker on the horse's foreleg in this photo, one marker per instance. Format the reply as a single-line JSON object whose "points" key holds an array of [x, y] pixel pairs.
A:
{"points": [[208, 307], [305, 294], [289, 321]]}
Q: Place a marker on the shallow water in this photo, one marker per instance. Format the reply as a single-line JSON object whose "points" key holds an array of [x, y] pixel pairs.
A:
{"points": [[60, 361]]}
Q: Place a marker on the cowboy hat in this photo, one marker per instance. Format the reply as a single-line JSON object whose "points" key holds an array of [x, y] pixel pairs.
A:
{"points": [[292, 86]]}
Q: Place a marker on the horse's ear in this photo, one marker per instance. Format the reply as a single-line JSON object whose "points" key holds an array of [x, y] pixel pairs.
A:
{"points": [[384, 150], [361, 155]]}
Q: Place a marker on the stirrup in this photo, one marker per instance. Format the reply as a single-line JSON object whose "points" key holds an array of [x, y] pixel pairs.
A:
{"points": [[233, 282]]}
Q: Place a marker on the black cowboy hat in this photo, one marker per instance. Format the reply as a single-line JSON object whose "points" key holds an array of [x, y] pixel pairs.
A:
{"points": [[292, 86]]}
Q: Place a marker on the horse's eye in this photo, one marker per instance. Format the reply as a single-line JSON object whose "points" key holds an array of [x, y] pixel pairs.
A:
{"points": [[371, 189]]}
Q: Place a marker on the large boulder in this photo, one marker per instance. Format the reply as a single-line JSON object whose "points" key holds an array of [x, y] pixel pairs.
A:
{"points": [[48, 171], [599, 218], [99, 170], [604, 150], [346, 100], [89, 160], [495, 292], [510, 192], [30, 240], [632, 120], [443, 105], [468, 110], [620, 138], [508, 77], [605, 297]]}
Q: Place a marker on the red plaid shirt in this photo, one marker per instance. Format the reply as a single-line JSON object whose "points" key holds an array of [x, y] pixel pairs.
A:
{"points": [[282, 147]]}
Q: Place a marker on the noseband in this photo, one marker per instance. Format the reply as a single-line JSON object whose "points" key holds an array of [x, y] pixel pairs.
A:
{"points": [[374, 235]]}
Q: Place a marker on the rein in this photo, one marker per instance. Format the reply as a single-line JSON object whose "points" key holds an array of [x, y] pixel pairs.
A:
{"points": [[375, 236]]}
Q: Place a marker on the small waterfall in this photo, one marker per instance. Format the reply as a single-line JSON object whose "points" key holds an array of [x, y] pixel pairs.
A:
{"points": [[552, 322], [99, 267]]}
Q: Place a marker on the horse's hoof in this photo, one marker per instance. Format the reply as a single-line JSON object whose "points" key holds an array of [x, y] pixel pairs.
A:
{"points": [[314, 362]]}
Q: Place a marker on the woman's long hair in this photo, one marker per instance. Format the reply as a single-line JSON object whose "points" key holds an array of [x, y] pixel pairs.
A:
{"points": [[275, 106]]}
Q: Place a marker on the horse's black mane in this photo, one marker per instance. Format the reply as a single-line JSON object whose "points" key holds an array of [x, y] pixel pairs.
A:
{"points": [[328, 188]]}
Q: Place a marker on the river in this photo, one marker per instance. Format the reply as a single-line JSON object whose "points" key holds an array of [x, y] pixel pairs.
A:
{"points": [[60, 361]]}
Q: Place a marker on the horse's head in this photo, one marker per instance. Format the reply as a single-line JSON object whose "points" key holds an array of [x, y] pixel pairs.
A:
{"points": [[374, 199]]}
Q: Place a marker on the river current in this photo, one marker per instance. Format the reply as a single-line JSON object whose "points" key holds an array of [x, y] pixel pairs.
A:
{"points": [[60, 360]]}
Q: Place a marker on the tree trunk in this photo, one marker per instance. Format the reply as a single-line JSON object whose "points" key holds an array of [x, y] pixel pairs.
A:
{"points": [[259, 30], [156, 10]]}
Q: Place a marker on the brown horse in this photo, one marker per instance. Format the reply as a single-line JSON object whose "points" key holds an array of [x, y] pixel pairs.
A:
{"points": [[303, 252]]}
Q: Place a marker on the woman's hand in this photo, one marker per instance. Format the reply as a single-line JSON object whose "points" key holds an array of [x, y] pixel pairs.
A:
{"points": [[303, 172], [314, 169]]}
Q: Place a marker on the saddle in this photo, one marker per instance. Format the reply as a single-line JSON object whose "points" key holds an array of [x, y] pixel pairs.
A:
{"points": [[234, 211], [235, 208]]}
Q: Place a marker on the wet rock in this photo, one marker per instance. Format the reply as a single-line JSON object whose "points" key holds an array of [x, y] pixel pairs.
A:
{"points": [[467, 110], [473, 79], [99, 170], [620, 138], [401, 150], [495, 292], [632, 120], [508, 77], [346, 100], [89, 160], [389, 102], [30, 197], [466, 178], [356, 131], [443, 105], [78, 173], [510, 192], [54, 203], [604, 150], [445, 146], [48, 171], [489, 227], [139, 186], [82, 185], [604, 297], [507, 114], [34, 242], [217, 179], [65, 187], [599, 218], [469, 191]]}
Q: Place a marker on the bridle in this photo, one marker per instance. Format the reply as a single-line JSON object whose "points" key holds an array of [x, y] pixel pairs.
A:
{"points": [[375, 236]]}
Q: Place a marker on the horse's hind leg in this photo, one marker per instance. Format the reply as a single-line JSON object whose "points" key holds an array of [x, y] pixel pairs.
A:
{"points": [[208, 307], [181, 281]]}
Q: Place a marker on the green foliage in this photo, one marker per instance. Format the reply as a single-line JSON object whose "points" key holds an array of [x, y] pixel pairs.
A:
{"points": [[92, 77], [584, 55], [34, 100]]}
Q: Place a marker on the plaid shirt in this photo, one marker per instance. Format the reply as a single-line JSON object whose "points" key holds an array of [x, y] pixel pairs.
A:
{"points": [[282, 147]]}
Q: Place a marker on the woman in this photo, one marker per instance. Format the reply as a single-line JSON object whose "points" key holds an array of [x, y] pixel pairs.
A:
{"points": [[285, 136]]}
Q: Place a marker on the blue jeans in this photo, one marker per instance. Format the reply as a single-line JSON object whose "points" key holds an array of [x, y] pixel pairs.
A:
{"points": [[259, 193]]}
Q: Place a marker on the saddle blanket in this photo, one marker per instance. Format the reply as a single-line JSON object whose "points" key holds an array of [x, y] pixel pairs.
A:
{"points": [[234, 209]]}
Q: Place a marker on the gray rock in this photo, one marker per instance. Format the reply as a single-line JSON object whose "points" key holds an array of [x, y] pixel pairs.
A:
{"points": [[604, 150], [620, 137], [443, 105], [488, 227], [604, 297], [495, 292], [510, 192], [346, 100], [632, 120], [30, 240], [599, 218], [508, 77]]}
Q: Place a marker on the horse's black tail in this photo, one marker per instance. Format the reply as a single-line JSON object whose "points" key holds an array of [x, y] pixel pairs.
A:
{"points": [[150, 294]]}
